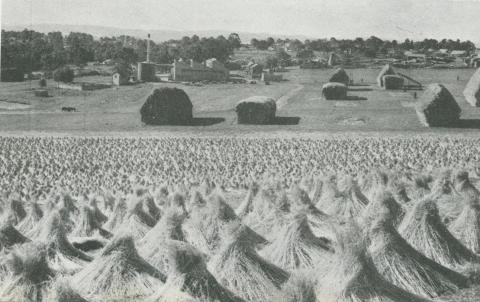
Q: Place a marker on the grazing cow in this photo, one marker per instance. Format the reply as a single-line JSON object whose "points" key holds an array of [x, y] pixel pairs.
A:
{"points": [[69, 109]]}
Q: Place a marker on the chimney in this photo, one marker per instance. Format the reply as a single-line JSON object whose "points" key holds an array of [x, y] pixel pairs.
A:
{"points": [[148, 49]]}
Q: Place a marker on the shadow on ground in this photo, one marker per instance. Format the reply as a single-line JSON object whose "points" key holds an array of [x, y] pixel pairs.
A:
{"points": [[206, 121], [360, 89], [467, 124], [286, 120]]}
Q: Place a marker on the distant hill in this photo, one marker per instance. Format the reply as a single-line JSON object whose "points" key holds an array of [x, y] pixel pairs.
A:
{"points": [[156, 35]]}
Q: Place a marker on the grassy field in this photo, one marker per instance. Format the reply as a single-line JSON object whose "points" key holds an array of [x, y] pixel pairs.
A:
{"points": [[299, 97]]}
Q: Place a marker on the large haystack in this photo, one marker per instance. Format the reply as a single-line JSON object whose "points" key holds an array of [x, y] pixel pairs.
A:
{"points": [[189, 272], [296, 247], [466, 227], [472, 90], [437, 107], [399, 263], [424, 230], [340, 76], [239, 268], [392, 82], [334, 91], [167, 106], [386, 70], [28, 275], [353, 276], [9, 237], [256, 110], [118, 273]]}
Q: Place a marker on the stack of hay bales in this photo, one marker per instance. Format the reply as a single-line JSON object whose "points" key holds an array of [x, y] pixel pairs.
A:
{"points": [[386, 70], [334, 91], [437, 107], [167, 106], [256, 110], [472, 90], [340, 76], [392, 82]]}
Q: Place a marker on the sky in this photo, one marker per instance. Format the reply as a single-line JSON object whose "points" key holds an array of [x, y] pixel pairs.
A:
{"points": [[392, 19]]}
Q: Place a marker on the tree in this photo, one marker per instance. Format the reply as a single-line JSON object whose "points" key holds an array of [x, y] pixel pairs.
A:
{"points": [[305, 54], [234, 40], [64, 75]]}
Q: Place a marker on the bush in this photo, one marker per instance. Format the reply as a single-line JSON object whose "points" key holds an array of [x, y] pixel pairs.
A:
{"points": [[64, 75], [11, 75]]}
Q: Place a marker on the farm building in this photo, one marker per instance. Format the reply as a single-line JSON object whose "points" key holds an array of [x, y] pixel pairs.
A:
{"points": [[210, 70], [118, 79], [146, 72], [254, 70]]}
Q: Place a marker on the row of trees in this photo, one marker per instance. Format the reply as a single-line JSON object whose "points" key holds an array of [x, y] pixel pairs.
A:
{"points": [[30, 51], [370, 47]]}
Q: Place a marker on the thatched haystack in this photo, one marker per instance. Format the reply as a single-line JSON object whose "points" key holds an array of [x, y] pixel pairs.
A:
{"points": [[353, 277], [437, 107], [466, 227], [424, 230], [188, 272], [340, 76], [61, 254], [28, 275], [240, 269], [393, 82], [334, 91], [118, 273], [399, 263], [296, 247], [256, 110], [386, 70], [9, 237], [472, 90], [167, 106]]}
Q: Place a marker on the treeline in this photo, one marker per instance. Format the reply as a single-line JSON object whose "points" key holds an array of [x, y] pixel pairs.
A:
{"points": [[30, 50], [370, 47]]}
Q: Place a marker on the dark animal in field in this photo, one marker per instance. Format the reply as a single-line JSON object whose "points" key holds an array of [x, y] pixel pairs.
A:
{"points": [[69, 109]]}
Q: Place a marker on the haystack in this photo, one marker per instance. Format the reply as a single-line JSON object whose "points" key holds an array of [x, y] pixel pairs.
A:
{"points": [[34, 215], [353, 276], [15, 212], [296, 247], [28, 275], [9, 237], [437, 107], [97, 213], [152, 247], [424, 230], [62, 291], [61, 254], [118, 273], [188, 271], [348, 204], [299, 288], [204, 228], [466, 227], [167, 106], [392, 82], [472, 90], [88, 226], [137, 222], [239, 268], [463, 185], [246, 206], [399, 263], [340, 76], [120, 212], [334, 91], [382, 202], [327, 190], [256, 110], [386, 70]]}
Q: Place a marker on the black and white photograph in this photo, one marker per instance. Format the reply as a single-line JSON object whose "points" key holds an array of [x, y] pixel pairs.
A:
{"points": [[240, 151]]}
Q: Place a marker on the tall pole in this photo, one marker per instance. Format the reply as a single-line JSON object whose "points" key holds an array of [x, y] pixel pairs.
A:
{"points": [[148, 49]]}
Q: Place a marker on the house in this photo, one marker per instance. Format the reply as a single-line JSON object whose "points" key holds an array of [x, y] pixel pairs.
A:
{"points": [[254, 70], [458, 53], [118, 79], [210, 70], [411, 56]]}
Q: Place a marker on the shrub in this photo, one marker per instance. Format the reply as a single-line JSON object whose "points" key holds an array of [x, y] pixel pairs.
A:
{"points": [[64, 74]]}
